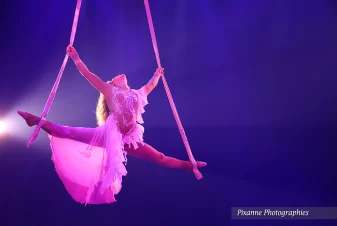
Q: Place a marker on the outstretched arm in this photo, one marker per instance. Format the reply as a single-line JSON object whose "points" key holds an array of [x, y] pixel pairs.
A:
{"points": [[95, 81], [153, 82]]}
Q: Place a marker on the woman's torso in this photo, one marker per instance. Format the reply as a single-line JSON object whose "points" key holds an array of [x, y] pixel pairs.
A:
{"points": [[123, 105]]}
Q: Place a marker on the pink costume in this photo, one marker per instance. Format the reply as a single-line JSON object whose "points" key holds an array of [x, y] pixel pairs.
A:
{"points": [[93, 174]]}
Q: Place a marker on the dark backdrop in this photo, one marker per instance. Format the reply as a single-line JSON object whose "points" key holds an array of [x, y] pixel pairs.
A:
{"points": [[254, 83]]}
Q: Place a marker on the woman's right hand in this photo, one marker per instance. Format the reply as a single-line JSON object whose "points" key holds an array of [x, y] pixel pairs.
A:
{"points": [[71, 51]]}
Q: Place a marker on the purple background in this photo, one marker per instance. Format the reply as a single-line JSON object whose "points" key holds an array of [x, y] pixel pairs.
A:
{"points": [[254, 83]]}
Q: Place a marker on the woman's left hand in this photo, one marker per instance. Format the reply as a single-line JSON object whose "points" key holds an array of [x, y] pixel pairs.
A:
{"points": [[159, 71]]}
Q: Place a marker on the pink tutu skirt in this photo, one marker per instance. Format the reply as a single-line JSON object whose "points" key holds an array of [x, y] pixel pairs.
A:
{"points": [[92, 174]]}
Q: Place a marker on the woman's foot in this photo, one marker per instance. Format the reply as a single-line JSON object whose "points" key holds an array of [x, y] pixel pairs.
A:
{"points": [[30, 119], [199, 165]]}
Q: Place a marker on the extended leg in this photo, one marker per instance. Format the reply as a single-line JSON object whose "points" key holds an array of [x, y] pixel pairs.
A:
{"points": [[149, 153], [80, 134]]}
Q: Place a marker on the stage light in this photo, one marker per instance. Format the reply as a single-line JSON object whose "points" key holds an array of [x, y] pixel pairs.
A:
{"points": [[2, 127]]}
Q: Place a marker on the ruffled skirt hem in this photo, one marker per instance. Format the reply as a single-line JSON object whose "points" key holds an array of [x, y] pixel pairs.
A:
{"points": [[92, 173]]}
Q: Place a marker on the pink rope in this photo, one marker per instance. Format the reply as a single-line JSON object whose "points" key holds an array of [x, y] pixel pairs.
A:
{"points": [[168, 93], [52, 94]]}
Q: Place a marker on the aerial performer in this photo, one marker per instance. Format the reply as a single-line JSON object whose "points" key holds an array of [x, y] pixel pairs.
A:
{"points": [[91, 161]]}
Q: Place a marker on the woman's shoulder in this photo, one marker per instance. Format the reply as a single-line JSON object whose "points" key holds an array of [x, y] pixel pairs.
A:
{"points": [[140, 91]]}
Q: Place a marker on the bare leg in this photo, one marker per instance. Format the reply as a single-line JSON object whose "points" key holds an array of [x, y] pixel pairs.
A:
{"points": [[80, 134], [149, 153], [85, 135]]}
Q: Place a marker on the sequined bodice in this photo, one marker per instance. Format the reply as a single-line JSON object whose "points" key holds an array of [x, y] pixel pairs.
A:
{"points": [[123, 106]]}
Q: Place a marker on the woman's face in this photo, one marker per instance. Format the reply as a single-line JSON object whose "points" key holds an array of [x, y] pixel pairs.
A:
{"points": [[120, 80]]}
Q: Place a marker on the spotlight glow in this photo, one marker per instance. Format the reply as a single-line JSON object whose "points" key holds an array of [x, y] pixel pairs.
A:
{"points": [[2, 127]]}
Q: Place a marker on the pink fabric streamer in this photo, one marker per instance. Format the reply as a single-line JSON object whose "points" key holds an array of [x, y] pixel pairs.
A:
{"points": [[52, 94], [168, 93]]}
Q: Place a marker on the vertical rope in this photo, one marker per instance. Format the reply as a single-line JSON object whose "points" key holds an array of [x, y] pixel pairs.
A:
{"points": [[52, 94], [168, 93]]}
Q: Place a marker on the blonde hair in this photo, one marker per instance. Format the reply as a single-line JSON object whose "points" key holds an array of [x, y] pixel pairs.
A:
{"points": [[102, 109]]}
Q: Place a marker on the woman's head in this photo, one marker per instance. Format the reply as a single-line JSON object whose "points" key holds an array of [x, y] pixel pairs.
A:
{"points": [[120, 81]]}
